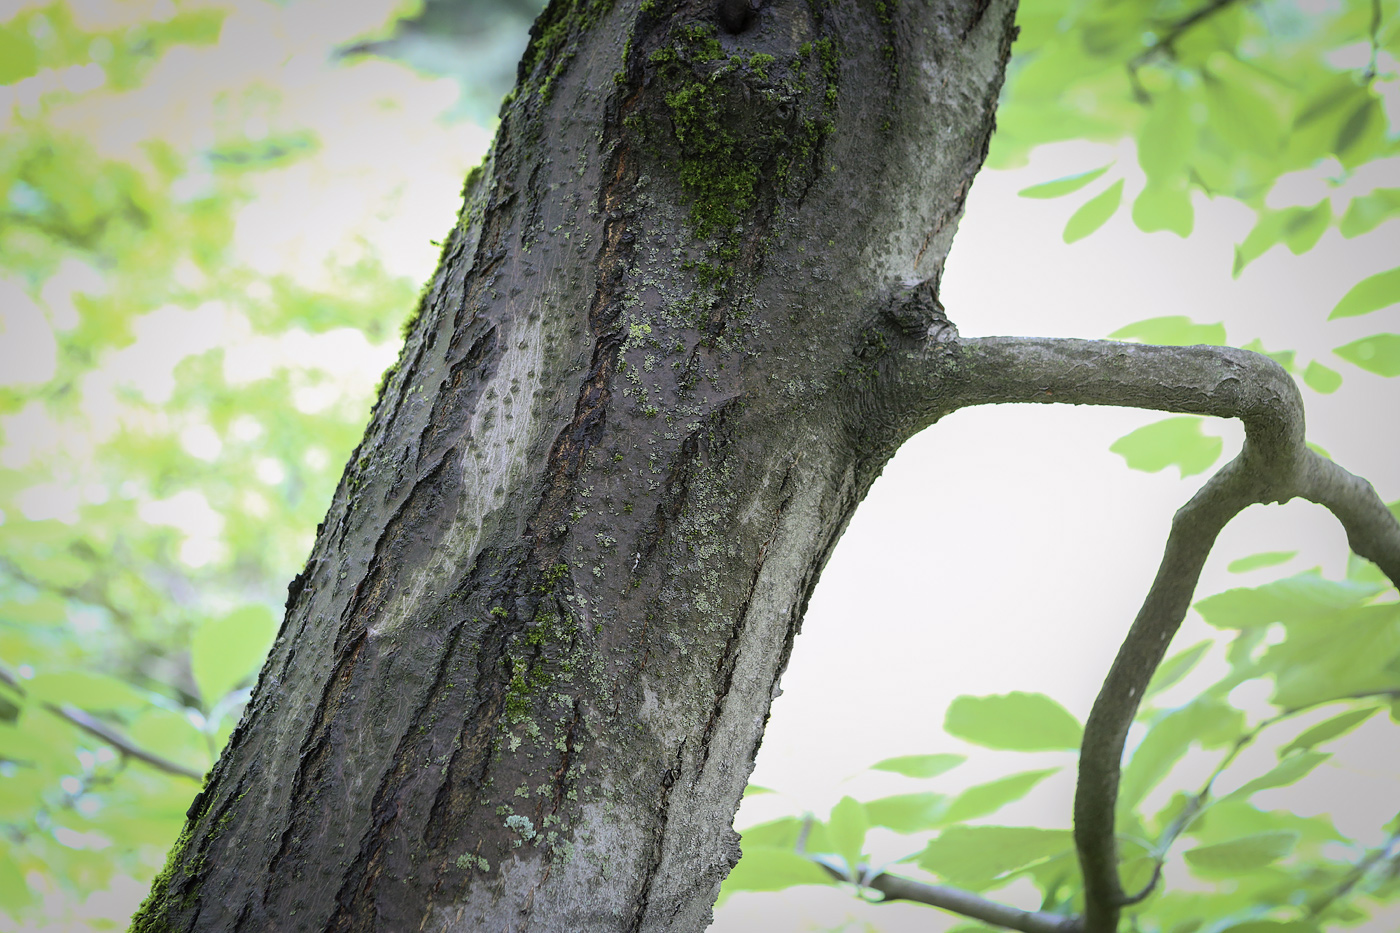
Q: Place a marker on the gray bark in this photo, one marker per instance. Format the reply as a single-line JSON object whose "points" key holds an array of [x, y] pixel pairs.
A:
{"points": [[523, 677]]}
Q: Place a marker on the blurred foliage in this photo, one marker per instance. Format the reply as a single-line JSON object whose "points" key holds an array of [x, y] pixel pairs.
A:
{"points": [[181, 382], [1234, 853], [182, 378]]}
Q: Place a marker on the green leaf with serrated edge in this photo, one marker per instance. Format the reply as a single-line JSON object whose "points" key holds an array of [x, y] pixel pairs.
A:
{"points": [[1094, 213], [1062, 186], [1258, 561], [976, 854], [1176, 667], [907, 813], [1329, 729], [1206, 720], [846, 830], [1322, 379], [1288, 771], [1175, 330], [765, 869], [1303, 596], [1240, 856], [87, 690], [919, 766], [1379, 354], [228, 649], [984, 799], [1370, 294], [1022, 722], [1175, 442]]}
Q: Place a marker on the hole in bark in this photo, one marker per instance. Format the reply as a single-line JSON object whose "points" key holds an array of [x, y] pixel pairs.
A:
{"points": [[735, 16]]}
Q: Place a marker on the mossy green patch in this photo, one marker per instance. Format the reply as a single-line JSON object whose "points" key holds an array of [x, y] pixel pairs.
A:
{"points": [[554, 40]]}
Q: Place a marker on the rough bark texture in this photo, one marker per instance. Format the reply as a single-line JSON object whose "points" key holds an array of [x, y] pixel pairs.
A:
{"points": [[522, 680]]}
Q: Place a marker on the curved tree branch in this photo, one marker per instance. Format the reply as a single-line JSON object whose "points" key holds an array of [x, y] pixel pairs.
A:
{"points": [[1274, 465]]}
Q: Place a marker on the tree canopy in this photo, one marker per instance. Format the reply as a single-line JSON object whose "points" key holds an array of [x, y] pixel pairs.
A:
{"points": [[181, 388]]}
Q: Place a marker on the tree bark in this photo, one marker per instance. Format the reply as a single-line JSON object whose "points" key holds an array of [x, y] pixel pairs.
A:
{"points": [[523, 677]]}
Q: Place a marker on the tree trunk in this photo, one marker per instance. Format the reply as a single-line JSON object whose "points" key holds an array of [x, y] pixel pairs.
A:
{"points": [[522, 680]]}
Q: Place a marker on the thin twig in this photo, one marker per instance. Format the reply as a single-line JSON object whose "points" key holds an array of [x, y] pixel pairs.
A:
{"points": [[956, 900], [100, 730], [1317, 907], [1166, 43]]}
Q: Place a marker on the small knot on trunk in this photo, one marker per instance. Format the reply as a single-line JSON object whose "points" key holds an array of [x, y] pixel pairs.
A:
{"points": [[915, 309]]}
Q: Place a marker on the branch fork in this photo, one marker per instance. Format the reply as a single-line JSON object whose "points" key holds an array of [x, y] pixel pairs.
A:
{"points": [[1274, 465]]}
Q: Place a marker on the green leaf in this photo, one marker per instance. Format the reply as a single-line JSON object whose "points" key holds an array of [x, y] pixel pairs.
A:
{"points": [[1205, 719], [1369, 211], [1094, 213], [907, 813], [1304, 226], [1329, 729], [1304, 596], [1175, 442], [781, 833], [1362, 134], [1321, 378], [1023, 722], [1257, 561], [1379, 354], [1241, 856], [1063, 186], [1272, 926], [1370, 294], [919, 766], [765, 869], [14, 892], [1175, 330], [754, 790], [227, 649], [974, 855], [984, 799], [1288, 771], [1164, 207], [1167, 137], [1176, 667], [846, 830], [87, 690]]}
